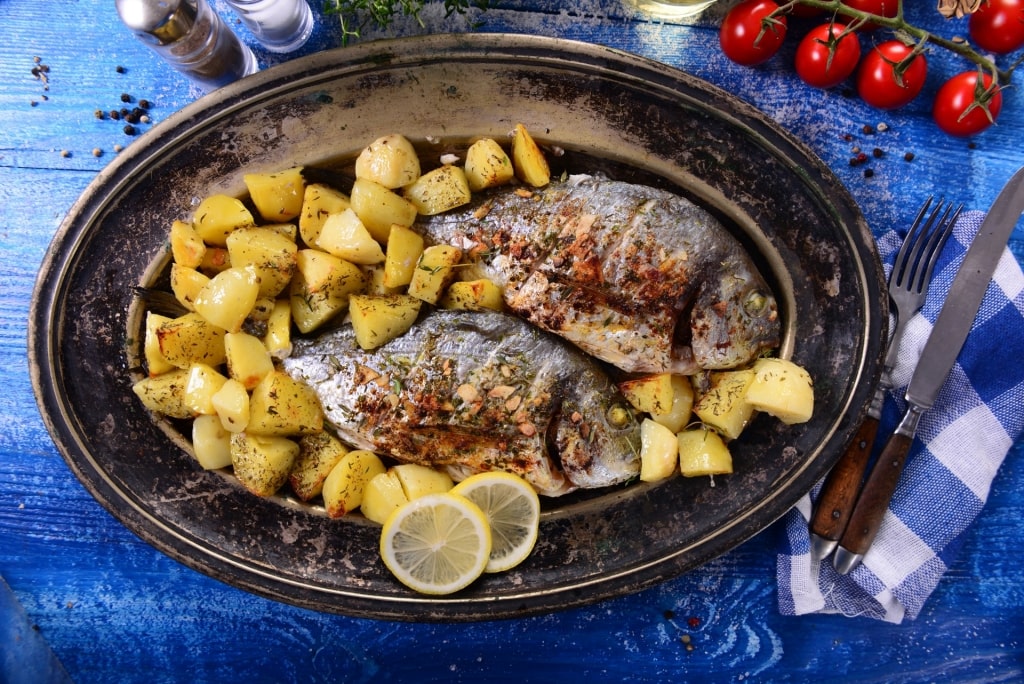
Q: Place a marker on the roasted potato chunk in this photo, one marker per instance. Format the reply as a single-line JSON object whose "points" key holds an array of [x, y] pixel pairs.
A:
{"points": [[281, 405]]}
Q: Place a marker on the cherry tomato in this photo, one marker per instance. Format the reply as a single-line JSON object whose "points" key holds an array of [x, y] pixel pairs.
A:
{"points": [[882, 8], [823, 59], [963, 106], [878, 82], [998, 26], [746, 37]]}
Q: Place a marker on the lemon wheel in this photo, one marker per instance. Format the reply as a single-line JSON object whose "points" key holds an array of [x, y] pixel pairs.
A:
{"points": [[436, 544], [513, 510]]}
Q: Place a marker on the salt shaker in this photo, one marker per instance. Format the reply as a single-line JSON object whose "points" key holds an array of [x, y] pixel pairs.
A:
{"points": [[191, 37], [279, 25]]}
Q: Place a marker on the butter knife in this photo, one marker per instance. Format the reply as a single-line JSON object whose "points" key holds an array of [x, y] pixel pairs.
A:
{"points": [[940, 352]]}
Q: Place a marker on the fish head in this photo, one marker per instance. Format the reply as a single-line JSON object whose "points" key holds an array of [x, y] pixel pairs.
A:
{"points": [[596, 434], [734, 319]]}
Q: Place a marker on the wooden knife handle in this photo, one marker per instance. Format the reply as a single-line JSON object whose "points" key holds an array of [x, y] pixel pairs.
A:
{"points": [[838, 494], [874, 498]]}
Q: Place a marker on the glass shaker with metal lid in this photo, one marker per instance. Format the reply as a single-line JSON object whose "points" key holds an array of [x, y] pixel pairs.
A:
{"points": [[190, 36]]}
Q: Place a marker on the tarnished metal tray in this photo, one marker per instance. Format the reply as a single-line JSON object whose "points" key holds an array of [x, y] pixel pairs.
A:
{"points": [[606, 110]]}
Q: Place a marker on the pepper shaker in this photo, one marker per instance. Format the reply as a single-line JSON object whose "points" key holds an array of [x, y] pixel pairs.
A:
{"points": [[190, 36], [279, 25]]}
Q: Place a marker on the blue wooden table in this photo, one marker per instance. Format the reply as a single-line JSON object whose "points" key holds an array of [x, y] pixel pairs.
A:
{"points": [[113, 609]]}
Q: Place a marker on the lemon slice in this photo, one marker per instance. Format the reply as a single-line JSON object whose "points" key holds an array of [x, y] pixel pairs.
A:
{"points": [[513, 510], [436, 544]]}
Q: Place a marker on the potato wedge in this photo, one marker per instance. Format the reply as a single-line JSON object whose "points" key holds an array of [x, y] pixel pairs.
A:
{"points": [[217, 216], [211, 443], [268, 252], [203, 382], [278, 338], [321, 288], [186, 283], [783, 389], [262, 463], [380, 208], [439, 190], [155, 361], [419, 480], [378, 319], [165, 394], [390, 160], [724, 406], [404, 248], [487, 165], [434, 271], [281, 405], [247, 358], [187, 246], [679, 413], [649, 393], [345, 236], [318, 454], [473, 295], [277, 196], [318, 202], [703, 452], [659, 451], [343, 489], [228, 298], [231, 402], [191, 339], [528, 160], [382, 496]]}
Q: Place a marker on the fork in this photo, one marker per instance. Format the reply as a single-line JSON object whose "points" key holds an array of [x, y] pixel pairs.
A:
{"points": [[908, 288]]}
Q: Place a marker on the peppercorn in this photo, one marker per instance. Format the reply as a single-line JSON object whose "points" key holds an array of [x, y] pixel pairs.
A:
{"points": [[868, 129], [119, 69], [114, 114], [97, 152], [877, 153], [125, 97], [909, 156], [129, 129], [868, 173], [100, 114], [145, 104]]}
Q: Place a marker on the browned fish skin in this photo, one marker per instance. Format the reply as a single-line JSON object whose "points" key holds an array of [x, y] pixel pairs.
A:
{"points": [[633, 275], [475, 392]]}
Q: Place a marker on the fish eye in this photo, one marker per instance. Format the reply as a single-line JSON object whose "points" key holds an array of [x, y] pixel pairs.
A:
{"points": [[755, 303], [619, 416]]}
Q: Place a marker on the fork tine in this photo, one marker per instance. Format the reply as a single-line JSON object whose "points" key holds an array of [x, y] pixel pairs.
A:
{"points": [[937, 242], [906, 254]]}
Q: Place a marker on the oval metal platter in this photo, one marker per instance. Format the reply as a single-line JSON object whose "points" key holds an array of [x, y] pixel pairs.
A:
{"points": [[593, 108]]}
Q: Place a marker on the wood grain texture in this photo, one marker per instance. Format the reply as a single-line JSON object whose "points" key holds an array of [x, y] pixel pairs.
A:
{"points": [[114, 609]]}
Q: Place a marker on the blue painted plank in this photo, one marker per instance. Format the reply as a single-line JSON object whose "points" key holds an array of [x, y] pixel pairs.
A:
{"points": [[113, 608]]}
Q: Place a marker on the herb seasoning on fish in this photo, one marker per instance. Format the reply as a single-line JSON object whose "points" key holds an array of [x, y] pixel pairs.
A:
{"points": [[473, 392], [633, 275]]}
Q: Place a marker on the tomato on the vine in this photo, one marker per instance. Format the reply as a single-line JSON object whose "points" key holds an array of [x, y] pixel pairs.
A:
{"points": [[966, 105], [748, 36], [885, 81], [825, 57], [998, 26]]}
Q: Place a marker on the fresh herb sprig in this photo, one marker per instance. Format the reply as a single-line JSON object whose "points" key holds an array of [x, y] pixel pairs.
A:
{"points": [[355, 15]]}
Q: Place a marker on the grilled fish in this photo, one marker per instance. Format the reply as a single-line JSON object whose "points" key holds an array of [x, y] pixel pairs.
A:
{"points": [[635, 276], [473, 392]]}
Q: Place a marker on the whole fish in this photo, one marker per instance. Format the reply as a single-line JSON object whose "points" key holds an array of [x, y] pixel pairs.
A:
{"points": [[636, 276], [474, 392]]}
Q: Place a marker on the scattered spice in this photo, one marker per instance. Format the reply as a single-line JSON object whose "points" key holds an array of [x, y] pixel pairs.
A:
{"points": [[882, 127], [877, 153], [868, 129], [120, 69], [65, 153], [129, 129], [125, 97], [909, 156], [868, 173], [97, 152]]}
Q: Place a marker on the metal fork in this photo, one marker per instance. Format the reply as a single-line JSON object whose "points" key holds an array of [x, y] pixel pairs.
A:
{"points": [[908, 288]]}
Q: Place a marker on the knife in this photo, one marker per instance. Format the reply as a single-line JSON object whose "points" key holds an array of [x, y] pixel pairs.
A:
{"points": [[940, 352]]}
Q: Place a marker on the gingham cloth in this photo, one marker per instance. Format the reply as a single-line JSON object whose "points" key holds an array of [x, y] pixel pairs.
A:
{"points": [[959, 447]]}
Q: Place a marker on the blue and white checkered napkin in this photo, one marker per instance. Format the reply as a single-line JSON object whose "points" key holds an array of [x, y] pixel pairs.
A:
{"points": [[960, 445]]}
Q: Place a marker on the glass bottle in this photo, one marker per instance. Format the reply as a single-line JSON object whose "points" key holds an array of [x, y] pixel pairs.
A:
{"points": [[279, 25], [190, 36]]}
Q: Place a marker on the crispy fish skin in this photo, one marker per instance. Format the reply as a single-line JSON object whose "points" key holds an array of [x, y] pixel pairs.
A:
{"points": [[474, 392], [633, 275]]}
